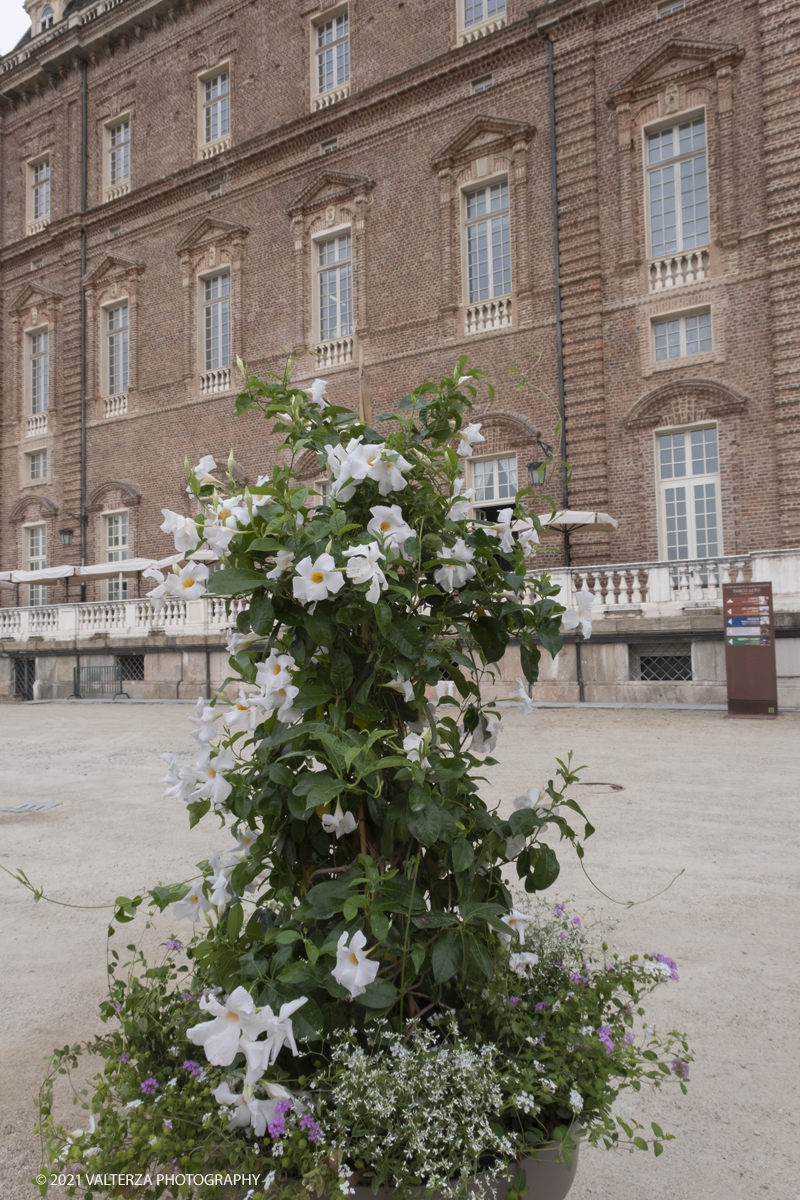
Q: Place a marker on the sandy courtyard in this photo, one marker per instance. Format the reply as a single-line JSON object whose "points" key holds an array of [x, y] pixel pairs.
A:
{"points": [[701, 792]]}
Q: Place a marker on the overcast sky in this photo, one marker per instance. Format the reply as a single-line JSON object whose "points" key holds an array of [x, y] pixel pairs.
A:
{"points": [[13, 23]]}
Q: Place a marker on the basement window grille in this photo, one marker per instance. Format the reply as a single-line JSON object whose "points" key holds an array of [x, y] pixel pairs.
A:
{"points": [[661, 662], [131, 667]]}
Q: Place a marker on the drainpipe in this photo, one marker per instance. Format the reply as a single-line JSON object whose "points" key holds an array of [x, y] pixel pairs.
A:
{"points": [[84, 197]]}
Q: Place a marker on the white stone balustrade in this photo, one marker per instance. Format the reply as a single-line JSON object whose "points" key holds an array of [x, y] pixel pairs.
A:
{"points": [[115, 406], [214, 382], [117, 190], [35, 425], [676, 270], [334, 96], [475, 32], [335, 353], [38, 225], [133, 618], [489, 314]]}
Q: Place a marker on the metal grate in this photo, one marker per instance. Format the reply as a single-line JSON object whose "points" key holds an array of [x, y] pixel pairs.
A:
{"points": [[97, 681], [131, 667], [661, 662], [24, 677]]}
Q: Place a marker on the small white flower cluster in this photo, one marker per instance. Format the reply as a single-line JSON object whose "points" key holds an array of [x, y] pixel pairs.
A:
{"points": [[548, 1083], [575, 1100], [527, 1103], [657, 970]]}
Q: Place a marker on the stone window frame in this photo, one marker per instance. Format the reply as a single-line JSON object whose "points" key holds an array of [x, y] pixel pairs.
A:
{"points": [[32, 331], [28, 454], [26, 529], [35, 308], [478, 29], [682, 303], [113, 191], [115, 281], [112, 584], [688, 427], [111, 497], [673, 121], [34, 224], [316, 239], [210, 248], [210, 149], [335, 94], [220, 271]]}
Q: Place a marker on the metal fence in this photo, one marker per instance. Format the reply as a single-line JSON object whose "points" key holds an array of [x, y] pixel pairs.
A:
{"points": [[88, 682]]}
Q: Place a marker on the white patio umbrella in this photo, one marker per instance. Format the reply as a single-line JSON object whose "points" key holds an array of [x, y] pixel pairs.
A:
{"points": [[569, 519]]}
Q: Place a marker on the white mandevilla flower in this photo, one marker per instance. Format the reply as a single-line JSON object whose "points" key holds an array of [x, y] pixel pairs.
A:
{"points": [[236, 641], [316, 393], [247, 711], [364, 567], [192, 905], [161, 590], [338, 822], [244, 839], [283, 560], [523, 963], [462, 501], [206, 730], [404, 686], [526, 534], [275, 672], [220, 1036], [227, 517], [387, 470], [353, 969], [180, 781], [530, 799], [190, 582], [278, 1029], [468, 437], [221, 895], [445, 687], [347, 466], [389, 524], [515, 846], [503, 530], [245, 1108], [316, 580], [183, 529], [212, 784], [414, 745], [455, 573], [582, 615], [526, 701], [517, 922], [484, 737], [202, 472]]}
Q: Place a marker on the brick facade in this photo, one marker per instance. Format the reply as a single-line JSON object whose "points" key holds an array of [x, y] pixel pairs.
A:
{"points": [[411, 136]]}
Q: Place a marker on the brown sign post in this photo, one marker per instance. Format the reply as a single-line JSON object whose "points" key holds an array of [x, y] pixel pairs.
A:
{"points": [[750, 650]]}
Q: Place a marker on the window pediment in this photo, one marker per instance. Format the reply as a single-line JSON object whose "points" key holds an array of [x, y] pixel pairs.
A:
{"points": [[481, 134], [679, 60], [113, 268], [33, 508], [211, 231], [34, 297], [114, 493], [329, 188], [682, 401]]}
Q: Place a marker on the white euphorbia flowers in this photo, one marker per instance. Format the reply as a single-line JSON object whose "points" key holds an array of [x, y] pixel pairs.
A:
{"points": [[183, 529], [192, 905], [353, 969], [468, 437], [455, 574], [389, 524], [462, 501], [581, 615], [212, 784], [316, 580], [517, 923], [339, 822], [364, 567]]}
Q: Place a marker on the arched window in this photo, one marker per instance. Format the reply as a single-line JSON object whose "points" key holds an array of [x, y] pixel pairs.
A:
{"points": [[47, 19]]}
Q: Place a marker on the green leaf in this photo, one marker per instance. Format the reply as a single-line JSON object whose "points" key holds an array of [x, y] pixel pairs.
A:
{"points": [[525, 821], [529, 657], [432, 823], [545, 871], [311, 695], [657, 1130], [479, 953], [436, 919], [325, 791], [492, 637], [287, 936], [640, 1143], [383, 616], [235, 581], [321, 628], [380, 994], [463, 854], [233, 924], [262, 615], [551, 640], [328, 898], [417, 956], [657, 1149], [447, 957], [341, 670], [405, 638]]}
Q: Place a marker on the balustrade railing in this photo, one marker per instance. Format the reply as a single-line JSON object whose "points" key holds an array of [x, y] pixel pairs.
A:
{"points": [[625, 586], [334, 96], [479, 31], [489, 314], [36, 424], [213, 382], [115, 406], [117, 190], [335, 353], [676, 270], [212, 149]]}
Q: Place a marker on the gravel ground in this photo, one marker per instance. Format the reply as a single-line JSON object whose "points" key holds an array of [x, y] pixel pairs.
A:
{"points": [[714, 796]]}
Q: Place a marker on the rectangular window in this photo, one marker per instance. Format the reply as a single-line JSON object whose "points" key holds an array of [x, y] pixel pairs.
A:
{"points": [[217, 322], [117, 551], [690, 509], [39, 346], [333, 53], [117, 345], [216, 108], [495, 480], [682, 336], [38, 465], [335, 269], [483, 84], [37, 561], [678, 190], [477, 11], [40, 176], [666, 10], [488, 232], [119, 153], [330, 146]]}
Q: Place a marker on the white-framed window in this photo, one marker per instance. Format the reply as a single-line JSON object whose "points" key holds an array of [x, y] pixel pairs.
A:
{"points": [[117, 551], [688, 482], [484, 84], [117, 349], [334, 257], [680, 336], [494, 481], [677, 187], [666, 10], [37, 561], [40, 190], [329, 146], [119, 153], [332, 53], [37, 465], [216, 107], [216, 317], [47, 19], [478, 11], [487, 231], [39, 371]]}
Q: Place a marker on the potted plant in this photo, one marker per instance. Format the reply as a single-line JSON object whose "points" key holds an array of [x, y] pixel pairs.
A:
{"points": [[363, 1006]]}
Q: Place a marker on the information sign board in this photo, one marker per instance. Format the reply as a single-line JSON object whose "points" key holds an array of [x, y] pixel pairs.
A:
{"points": [[750, 650]]}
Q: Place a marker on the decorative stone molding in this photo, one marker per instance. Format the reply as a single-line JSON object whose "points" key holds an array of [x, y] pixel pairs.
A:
{"points": [[34, 306], [682, 402], [33, 508], [481, 136], [678, 61], [211, 244], [114, 493], [114, 278]]}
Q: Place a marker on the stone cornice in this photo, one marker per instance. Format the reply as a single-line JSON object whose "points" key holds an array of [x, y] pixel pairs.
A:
{"points": [[697, 60]]}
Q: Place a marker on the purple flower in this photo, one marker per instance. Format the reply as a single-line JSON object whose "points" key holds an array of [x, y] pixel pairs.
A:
{"points": [[311, 1127], [277, 1128], [174, 1164], [150, 1086], [192, 1067], [118, 1008], [680, 1069], [668, 962], [513, 1000], [559, 910], [187, 996], [282, 1107], [610, 967], [562, 937], [541, 1006], [123, 1058], [604, 1034], [174, 944], [629, 1039], [576, 921], [168, 1124]]}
